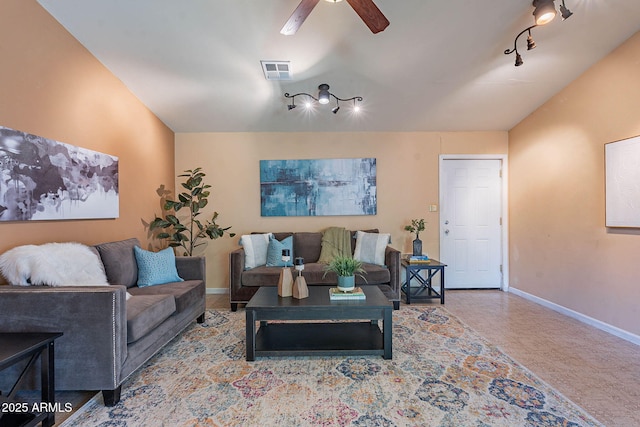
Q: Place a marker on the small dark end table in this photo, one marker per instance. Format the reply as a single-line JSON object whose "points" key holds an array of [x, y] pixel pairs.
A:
{"points": [[18, 346], [424, 290]]}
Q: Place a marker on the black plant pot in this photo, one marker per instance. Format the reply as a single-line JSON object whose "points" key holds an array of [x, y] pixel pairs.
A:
{"points": [[417, 247]]}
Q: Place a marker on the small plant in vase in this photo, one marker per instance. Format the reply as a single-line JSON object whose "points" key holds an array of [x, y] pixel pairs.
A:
{"points": [[416, 226], [346, 268]]}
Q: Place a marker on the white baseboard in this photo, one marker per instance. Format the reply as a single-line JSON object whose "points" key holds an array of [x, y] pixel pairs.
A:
{"points": [[217, 291], [613, 330]]}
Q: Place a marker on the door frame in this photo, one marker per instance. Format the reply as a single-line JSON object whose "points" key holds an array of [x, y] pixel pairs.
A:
{"points": [[504, 201]]}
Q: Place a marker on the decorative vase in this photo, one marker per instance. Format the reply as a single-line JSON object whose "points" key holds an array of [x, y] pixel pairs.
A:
{"points": [[417, 247], [300, 289], [285, 283], [346, 283]]}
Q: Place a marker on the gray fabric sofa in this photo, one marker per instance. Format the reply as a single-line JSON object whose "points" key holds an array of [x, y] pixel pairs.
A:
{"points": [[106, 336], [243, 284]]}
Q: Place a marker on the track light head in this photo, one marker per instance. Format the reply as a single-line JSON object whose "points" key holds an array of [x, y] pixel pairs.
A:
{"points": [[544, 12], [335, 109], [566, 13], [519, 60], [531, 44], [323, 93], [291, 106]]}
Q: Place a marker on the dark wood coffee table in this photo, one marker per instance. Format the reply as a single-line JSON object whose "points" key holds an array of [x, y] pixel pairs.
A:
{"points": [[350, 336]]}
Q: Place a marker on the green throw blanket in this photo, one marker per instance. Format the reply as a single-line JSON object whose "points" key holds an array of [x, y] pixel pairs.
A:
{"points": [[336, 241]]}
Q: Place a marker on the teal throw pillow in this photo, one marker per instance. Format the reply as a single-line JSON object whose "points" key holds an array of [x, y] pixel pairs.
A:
{"points": [[274, 252], [156, 268]]}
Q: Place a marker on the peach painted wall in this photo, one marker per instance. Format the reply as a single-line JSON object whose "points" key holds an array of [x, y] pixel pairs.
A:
{"points": [[407, 167], [53, 87], [560, 249]]}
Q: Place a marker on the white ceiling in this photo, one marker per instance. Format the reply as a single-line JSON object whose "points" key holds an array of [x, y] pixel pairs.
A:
{"points": [[439, 66]]}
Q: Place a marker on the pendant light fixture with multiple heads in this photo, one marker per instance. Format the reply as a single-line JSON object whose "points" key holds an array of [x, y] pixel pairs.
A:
{"points": [[324, 97], [544, 12]]}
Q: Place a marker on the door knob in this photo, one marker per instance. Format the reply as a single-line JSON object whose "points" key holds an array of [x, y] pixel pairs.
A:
{"points": [[446, 231], [446, 222]]}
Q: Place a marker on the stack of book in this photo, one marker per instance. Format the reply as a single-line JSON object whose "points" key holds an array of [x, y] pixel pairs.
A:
{"points": [[336, 294], [418, 259]]}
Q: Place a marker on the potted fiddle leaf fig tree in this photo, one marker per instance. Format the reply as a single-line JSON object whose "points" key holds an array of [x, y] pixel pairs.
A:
{"points": [[189, 231], [346, 268]]}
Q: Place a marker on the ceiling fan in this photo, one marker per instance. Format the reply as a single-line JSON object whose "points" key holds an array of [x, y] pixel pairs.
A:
{"points": [[366, 9]]}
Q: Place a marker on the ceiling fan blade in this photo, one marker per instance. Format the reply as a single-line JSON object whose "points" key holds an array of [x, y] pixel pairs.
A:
{"points": [[370, 14], [298, 16]]}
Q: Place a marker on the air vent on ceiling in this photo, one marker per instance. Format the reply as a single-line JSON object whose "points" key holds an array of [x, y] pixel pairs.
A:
{"points": [[276, 70]]}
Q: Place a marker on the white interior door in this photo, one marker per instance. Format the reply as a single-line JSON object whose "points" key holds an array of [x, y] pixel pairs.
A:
{"points": [[471, 223]]}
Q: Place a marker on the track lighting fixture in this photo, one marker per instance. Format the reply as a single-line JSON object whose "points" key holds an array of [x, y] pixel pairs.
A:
{"points": [[544, 11], [324, 96]]}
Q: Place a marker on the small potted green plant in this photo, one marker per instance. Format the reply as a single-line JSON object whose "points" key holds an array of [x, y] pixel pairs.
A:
{"points": [[346, 268], [416, 226]]}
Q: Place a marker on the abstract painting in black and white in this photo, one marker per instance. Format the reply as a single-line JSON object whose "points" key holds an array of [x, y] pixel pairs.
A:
{"points": [[43, 179]]}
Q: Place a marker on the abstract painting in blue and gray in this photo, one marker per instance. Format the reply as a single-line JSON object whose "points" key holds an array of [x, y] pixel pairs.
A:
{"points": [[318, 187]]}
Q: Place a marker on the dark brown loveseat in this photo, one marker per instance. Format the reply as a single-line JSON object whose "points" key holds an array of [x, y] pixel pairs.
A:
{"points": [[245, 283]]}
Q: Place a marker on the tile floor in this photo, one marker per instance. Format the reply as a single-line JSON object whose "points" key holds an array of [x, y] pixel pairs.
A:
{"points": [[594, 369]]}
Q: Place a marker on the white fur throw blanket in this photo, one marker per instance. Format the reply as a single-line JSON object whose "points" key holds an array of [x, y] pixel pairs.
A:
{"points": [[53, 264]]}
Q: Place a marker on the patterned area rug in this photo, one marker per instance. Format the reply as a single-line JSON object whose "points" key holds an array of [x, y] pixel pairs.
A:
{"points": [[442, 374]]}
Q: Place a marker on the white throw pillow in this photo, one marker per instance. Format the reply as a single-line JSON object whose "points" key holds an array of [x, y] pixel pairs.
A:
{"points": [[255, 249], [370, 247]]}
